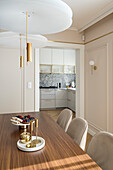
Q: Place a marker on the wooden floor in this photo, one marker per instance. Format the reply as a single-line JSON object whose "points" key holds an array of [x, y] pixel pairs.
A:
{"points": [[54, 115]]}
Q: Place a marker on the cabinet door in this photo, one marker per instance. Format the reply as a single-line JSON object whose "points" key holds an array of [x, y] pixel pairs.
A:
{"points": [[57, 56], [69, 57], [61, 94], [47, 104], [45, 68], [45, 56], [69, 69], [57, 69], [61, 103]]}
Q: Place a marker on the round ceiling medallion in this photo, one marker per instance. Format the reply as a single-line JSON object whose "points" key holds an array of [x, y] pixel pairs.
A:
{"points": [[44, 16], [12, 40]]}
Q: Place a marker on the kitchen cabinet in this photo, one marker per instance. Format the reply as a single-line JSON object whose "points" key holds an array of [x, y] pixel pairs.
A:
{"points": [[57, 56], [45, 56], [71, 99], [69, 57], [57, 69], [61, 98], [69, 69], [47, 98], [57, 98], [45, 68]]}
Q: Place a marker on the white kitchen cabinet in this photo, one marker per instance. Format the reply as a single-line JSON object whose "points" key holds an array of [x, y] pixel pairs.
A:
{"points": [[71, 99], [45, 68], [57, 56], [69, 57], [61, 94], [57, 69], [45, 56], [61, 98], [61, 103], [69, 69], [45, 104], [57, 98], [47, 98]]}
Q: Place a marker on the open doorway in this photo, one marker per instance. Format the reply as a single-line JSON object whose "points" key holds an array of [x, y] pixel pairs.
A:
{"points": [[79, 78]]}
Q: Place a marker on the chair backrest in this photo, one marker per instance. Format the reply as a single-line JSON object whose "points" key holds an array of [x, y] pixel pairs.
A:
{"points": [[100, 149], [78, 131], [64, 119]]}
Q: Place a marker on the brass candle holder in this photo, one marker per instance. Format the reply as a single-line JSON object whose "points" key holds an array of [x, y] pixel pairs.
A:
{"points": [[32, 144], [36, 141]]}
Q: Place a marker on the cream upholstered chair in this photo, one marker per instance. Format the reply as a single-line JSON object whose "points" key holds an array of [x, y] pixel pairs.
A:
{"points": [[77, 130], [100, 149], [64, 119]]}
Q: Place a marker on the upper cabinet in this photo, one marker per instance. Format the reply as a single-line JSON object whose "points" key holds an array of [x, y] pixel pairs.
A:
{"points": [[57, 56], [69, 57], [45, 56], [56, 60]]}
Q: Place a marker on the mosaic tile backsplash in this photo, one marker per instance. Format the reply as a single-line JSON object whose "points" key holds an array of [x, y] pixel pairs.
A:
{"points": [[51, 79]]}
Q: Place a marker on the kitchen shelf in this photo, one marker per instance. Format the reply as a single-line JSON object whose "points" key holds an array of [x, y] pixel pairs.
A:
{"points": [[57, 69], [69, 69], [44, 68], [66, 69]]}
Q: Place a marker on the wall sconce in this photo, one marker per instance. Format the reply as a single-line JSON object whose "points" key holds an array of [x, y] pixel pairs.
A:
{"points": [[93, 67]]}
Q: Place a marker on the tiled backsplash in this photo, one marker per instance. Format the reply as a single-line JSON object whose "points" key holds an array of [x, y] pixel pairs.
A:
{"points": [[52, 79]]}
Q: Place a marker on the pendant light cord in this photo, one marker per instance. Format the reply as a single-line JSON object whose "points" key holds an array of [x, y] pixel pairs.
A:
{"points": [[26, 27], [20, 44]]}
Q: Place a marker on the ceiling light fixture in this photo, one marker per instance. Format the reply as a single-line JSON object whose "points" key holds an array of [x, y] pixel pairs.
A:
{"points": [[46, 16], [12, 40]]}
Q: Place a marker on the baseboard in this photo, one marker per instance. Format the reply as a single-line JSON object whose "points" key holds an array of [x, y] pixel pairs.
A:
{"points": [[93, 129], [91, 132]]}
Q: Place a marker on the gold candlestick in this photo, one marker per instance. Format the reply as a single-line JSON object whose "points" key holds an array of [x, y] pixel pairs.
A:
{"points": [[31, 128], [36, 141], [32, 144], [36, 126]]}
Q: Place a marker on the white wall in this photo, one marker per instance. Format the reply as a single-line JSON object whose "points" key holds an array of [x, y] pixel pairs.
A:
{"points": [[10, 81]]}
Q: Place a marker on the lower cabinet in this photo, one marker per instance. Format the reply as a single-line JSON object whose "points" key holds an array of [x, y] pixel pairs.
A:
{"points": [[71, 100], [47, 103], [57, 98], [61, 98]]}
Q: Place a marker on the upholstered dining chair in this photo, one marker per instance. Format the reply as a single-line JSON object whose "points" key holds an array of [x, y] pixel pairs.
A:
{"points": [[64, 119], [77, 130], [100, 149]]}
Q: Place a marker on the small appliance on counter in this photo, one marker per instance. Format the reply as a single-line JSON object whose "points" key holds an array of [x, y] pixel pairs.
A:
{"points": [[73, 84], [58, 85]]}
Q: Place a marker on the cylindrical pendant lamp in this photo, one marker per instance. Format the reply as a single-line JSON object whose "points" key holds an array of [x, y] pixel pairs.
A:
{"points": [[21, 57], [29, 52], [21, 61]]}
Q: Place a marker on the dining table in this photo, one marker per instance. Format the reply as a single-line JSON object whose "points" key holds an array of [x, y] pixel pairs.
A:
{"points": [[60, 150]]}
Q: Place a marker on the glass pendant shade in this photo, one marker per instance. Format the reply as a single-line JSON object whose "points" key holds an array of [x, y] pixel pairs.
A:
{"points": [[44, 16]]}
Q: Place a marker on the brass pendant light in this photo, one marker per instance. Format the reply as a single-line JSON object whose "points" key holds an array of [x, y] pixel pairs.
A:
{"points": [[21, 57], [28, 45]]}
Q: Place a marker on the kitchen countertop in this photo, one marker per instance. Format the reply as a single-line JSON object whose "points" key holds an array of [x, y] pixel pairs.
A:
{"points": [[69, 88]]}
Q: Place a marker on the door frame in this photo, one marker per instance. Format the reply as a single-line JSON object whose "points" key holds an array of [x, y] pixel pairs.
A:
{"points": [[80, 111]]}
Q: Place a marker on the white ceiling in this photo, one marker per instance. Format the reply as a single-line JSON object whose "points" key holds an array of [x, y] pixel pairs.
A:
{"points": [[88, 12]]}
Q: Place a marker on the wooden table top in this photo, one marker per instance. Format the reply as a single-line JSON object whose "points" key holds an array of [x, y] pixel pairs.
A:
{"points": [[60, 151]]}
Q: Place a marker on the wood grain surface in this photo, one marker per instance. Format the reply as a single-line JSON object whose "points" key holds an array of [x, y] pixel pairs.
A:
{"points": [[60, 151]]}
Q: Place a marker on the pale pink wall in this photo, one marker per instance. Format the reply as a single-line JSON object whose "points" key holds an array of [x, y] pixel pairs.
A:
{"points": [[66, 36], [99, 86], [102, 27]]}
